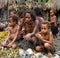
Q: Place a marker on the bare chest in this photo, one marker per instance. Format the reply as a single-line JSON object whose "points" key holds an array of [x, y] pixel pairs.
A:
{"points": [[13, 30], [46, 37], [29, 27]]}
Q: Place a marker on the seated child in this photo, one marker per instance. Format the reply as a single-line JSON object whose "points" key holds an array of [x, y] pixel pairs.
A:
{"points": [[13, 37], [44, 37], [30, 28]]}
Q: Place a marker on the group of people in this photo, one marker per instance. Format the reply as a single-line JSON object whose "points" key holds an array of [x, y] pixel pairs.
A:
{"points": [[28, 29]]}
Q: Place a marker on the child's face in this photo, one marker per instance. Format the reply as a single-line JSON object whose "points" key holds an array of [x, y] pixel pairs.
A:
{"points": [[51, 12], [11, 22], [20, 21], [28, 17], [44, 28], [12, 13]]}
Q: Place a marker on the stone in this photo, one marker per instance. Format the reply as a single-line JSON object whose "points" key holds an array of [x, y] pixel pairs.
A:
{"points": [[56, 56], [21, 53], [50, 55], [2, 48], [39, 55], [30, 51], [58, 52], [9, 56], [44, 56]]}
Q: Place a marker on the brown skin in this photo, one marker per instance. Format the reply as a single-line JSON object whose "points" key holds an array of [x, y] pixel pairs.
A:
{"points": [[13, 34], [20, 21], [12, 13], [46, 37], [30, 27], [53, 18]]}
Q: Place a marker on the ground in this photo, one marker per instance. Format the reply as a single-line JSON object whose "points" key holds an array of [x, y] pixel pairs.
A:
{"points": [[6, 53]]}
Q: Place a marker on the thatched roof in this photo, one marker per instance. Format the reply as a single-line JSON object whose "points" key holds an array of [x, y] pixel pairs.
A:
{"points": [[3, 3], [58, 5], [55, 4]]}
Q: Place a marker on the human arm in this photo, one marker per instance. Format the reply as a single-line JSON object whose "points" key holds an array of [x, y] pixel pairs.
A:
{"points": [[51, 39], [15, 36], [35, 28], [53, 19], [38, 35], [8, 35], [7, 38], [29, 35]]}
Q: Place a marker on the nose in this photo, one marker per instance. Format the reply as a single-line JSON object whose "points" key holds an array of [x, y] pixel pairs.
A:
{"points": [[27, 19], [42, 30], [9, 24]]}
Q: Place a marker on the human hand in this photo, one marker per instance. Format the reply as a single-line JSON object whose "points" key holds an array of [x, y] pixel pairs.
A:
{"points": [[27, 37], [3, 43], [9, 45]]}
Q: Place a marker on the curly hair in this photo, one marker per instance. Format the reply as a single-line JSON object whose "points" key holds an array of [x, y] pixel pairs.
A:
{"points": [[31, 12], [47, 23], [14, 18]]}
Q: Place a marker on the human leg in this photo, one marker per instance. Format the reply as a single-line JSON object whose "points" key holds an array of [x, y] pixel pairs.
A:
{"points": [[39, 48]]}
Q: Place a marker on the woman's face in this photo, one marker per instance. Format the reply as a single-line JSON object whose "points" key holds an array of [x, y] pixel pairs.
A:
{"points": [[28, 17]]}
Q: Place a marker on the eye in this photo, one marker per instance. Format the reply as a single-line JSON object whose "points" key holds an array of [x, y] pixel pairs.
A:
{"points": [[44, 28], [27, 17]]}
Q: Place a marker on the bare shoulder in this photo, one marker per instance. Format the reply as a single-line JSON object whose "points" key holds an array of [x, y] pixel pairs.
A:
{"points": [[38, 34], [10, 28], [17, 26], [54, 17], [51, 33], [42, 18], [37, 21]]}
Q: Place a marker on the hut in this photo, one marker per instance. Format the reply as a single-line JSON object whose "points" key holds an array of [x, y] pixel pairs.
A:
{"points": [[54, 4], [2, 6], [2, 3]]}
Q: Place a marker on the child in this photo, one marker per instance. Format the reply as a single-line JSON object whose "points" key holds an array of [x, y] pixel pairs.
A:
{"points": [[53, 21], [21, 17], [45, 37], [21, 31], [13, 37], [12, 13], [39, 17], [30, 28]]}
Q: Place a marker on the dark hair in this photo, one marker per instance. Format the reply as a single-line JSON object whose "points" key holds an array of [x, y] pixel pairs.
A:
{"points": [[31, 12], [38, 11], [49, 13], [14, 18], [47, 23], [21, 13], [12, 10]]}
